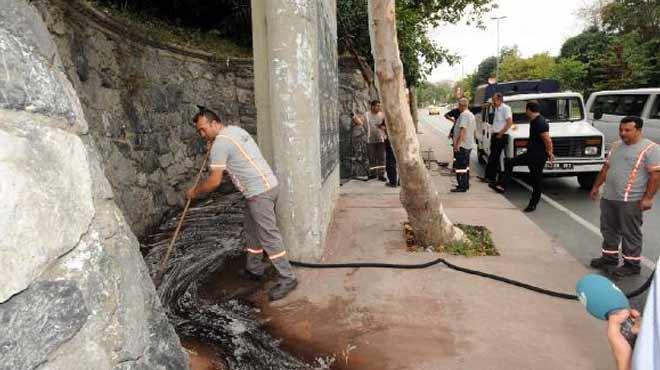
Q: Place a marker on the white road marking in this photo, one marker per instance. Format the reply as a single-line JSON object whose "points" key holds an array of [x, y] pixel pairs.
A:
{"points": [[586, 224]]}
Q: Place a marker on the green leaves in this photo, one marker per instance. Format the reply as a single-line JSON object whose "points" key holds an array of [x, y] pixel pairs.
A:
{"points": [[414, 19]]}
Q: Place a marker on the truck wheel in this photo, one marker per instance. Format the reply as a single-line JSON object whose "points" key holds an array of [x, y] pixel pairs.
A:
{"points": [[586, 180]]}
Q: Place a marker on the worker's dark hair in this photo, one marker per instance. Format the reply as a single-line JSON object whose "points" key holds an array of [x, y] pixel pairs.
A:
{"points": [[205, 112], [532, 106], [639, 123], [498, 95], [374, 102]]}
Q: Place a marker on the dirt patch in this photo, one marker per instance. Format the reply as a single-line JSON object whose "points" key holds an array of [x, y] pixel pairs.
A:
{"points": [[202, 356], [479, 242], [331, 335]]}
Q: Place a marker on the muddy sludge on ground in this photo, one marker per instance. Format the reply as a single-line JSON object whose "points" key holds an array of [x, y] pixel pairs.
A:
{"points": [[211, 237]]}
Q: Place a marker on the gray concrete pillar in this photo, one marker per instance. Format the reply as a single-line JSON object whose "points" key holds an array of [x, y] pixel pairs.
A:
{"points": [[286, 68]]}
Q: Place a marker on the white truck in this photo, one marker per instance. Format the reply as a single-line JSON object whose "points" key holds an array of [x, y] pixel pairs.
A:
{"points": [[578, 146]]}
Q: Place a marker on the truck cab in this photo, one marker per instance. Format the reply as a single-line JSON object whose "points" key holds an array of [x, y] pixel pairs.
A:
{"points": [[578, 146]]}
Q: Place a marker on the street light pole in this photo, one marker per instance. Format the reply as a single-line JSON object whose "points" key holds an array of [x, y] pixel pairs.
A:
{"points": [[497, 56]]}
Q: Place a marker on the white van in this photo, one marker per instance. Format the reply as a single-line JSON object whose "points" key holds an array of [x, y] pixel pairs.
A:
{"points": [[605, 109], [578, 146]]}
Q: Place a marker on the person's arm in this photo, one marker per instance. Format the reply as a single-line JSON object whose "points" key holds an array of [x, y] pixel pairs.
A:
{"points": [[652, 186], [545, 136], [652, 165], [357, 119], [458, 140], [208, 185], [600, 180], [449, 117], [621, 349], [509, 123]]}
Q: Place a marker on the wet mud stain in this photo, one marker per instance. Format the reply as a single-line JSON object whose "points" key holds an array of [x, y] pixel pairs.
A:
{"points": [[202, 356]]}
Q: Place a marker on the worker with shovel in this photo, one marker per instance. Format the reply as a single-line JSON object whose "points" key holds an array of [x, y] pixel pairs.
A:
{"points": [[233, 150]]}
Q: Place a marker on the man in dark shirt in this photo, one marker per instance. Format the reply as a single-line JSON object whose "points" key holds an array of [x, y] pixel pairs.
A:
{"points": [[539, 150], [452, 116]]}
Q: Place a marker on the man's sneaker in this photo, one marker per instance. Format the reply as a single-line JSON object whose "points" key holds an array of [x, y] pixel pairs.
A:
{"points": [[626, 270], [497, 187], [458, 190], [604, 262], [249, 276], [282, 288], [529, 208]]}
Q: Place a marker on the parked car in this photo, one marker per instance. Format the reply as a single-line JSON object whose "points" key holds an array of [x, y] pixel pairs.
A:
{"points": [[605, 109], [578, 146], [434, 109]]}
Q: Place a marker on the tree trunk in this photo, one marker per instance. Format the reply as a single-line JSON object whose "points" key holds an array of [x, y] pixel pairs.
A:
{"points": [[418, 195], [412, 98]]}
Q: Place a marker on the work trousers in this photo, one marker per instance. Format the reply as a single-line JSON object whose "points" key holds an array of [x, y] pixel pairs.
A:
{"points": [[535, 162], [497, 145], [262, 235], [390, 164], [621, 223], [376, 159], [462, 168]]}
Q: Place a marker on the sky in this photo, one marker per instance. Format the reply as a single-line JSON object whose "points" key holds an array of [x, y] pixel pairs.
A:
{"points": [[535, 26]]}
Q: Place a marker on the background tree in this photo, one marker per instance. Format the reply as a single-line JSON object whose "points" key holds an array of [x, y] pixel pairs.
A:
{"points": [[415, 18], [572, 74], [434, 93]]}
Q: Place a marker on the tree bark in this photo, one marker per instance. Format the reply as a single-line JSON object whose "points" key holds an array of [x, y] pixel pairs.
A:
{"points": [[412, 98], [418, 195]]}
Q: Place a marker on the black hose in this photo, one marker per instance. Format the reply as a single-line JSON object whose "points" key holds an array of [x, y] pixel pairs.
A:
{"points": [[533, 288]]}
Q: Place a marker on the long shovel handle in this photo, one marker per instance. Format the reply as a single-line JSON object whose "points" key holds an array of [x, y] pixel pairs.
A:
{"points": [[170, 247]]}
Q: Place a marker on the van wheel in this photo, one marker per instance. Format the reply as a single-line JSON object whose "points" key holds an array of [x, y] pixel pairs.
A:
{"points": [[586, 180], [481, 156]]}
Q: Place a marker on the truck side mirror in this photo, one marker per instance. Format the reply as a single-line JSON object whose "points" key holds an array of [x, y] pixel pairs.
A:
{"points": [[598, 114]]}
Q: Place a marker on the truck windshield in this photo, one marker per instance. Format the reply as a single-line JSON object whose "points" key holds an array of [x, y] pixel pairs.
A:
{"points": [[553, 109]]}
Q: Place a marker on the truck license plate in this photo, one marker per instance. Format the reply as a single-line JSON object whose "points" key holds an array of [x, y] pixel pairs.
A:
{"points": [[559, 166]]}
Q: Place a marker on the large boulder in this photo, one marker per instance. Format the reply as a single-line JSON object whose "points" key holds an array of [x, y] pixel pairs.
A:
{"points": [[74, 290]]}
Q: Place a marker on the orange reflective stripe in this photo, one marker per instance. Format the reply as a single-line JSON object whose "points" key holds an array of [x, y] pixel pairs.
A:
{"points": [[605, 251], [249, 159], [276, 256], [632, 258], [255, 251], [633, 174]]}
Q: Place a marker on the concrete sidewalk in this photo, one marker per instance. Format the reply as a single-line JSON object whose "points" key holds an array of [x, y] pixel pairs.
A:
{"points": [[437, 318]]}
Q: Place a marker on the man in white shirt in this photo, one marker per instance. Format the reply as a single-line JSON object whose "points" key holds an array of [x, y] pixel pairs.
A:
{"points": [[502, 122]]}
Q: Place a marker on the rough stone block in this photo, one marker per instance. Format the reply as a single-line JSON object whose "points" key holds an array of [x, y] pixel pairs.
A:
{"points": [[41, 168], [39, 320]]}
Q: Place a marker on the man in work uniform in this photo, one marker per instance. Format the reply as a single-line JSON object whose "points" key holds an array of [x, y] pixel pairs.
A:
{"points": [[463, 142], [233, 150], [632, 176], [376, 138], [502, 122], [539, 150]]}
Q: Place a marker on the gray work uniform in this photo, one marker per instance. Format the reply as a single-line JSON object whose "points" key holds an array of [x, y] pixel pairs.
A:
{"points": [[235, 152], [462, 155], [621, 219]]}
